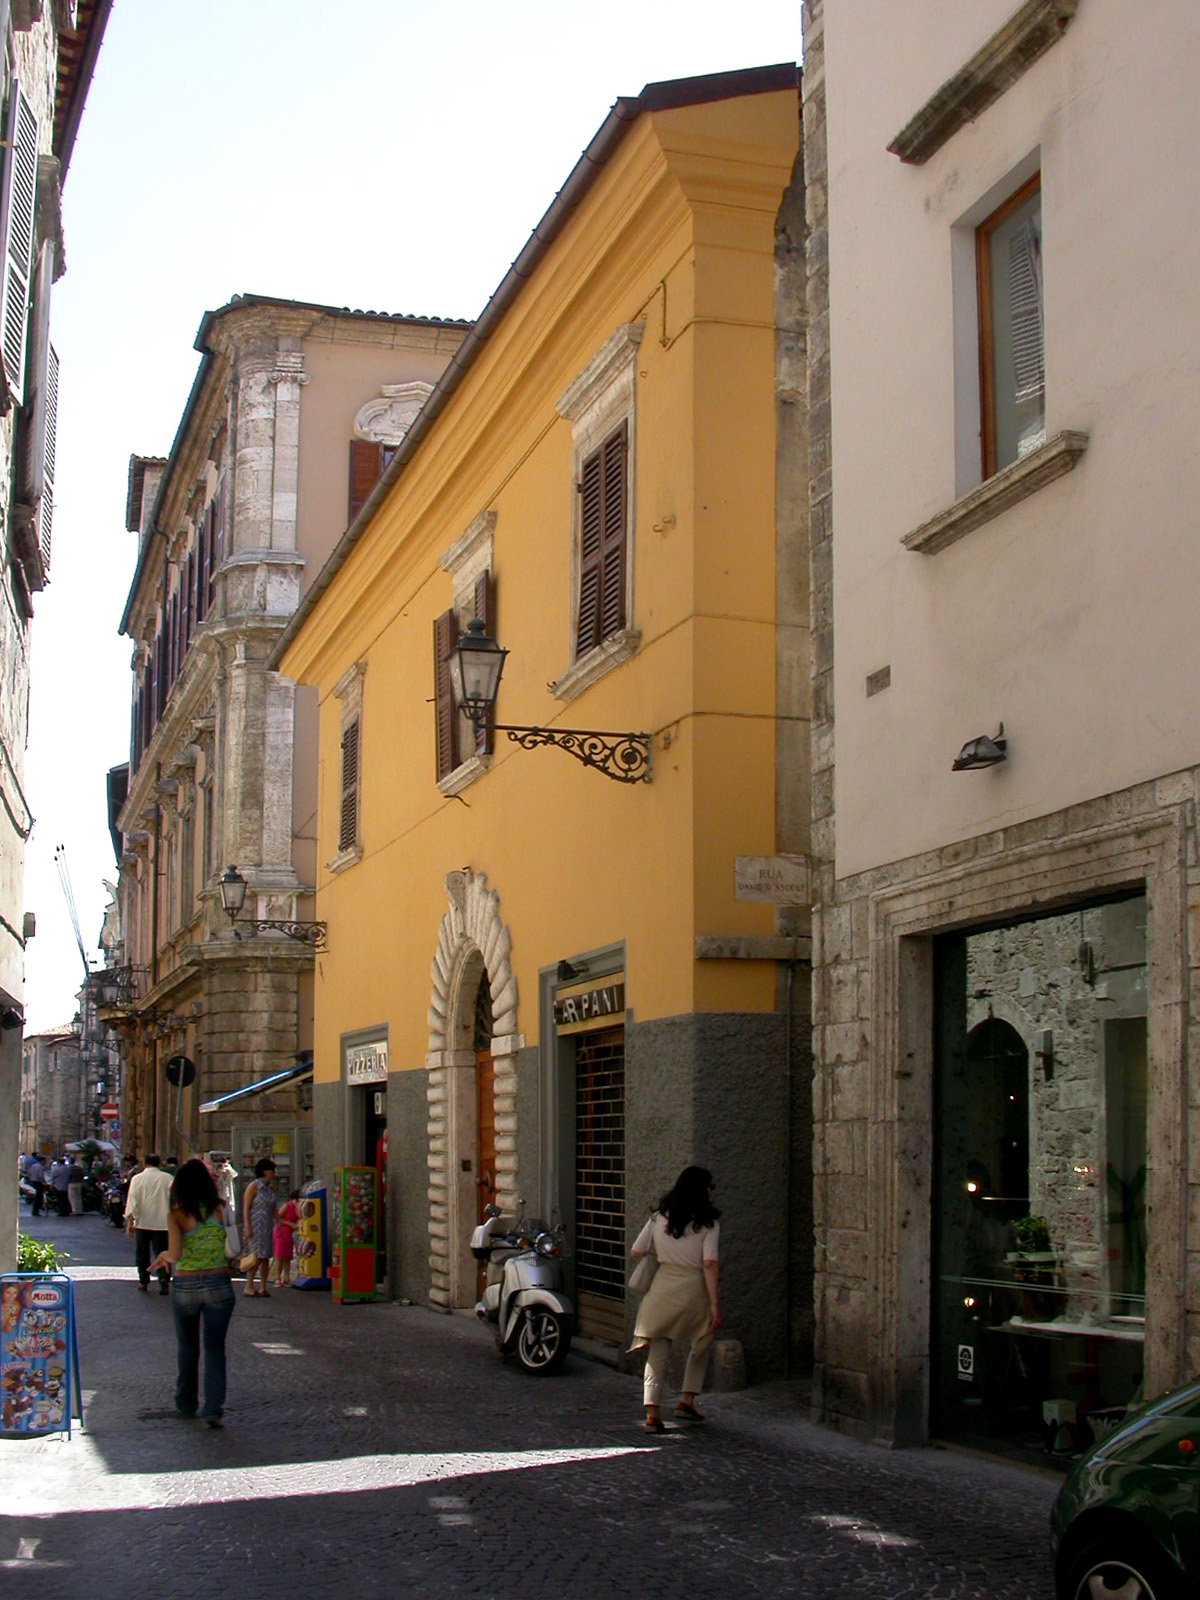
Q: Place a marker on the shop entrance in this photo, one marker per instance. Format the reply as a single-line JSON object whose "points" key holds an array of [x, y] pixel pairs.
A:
{"points": [[1040, 1164], [372, 1142], [600, 1184]]}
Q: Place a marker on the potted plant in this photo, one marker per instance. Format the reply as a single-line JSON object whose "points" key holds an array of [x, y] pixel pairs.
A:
{"points": [[1035, 1266]]}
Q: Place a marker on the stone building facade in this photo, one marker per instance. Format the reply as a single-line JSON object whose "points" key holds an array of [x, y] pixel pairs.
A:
{"points": [[1006, 946], [49, 52], [293, 407], [53, 1092]]}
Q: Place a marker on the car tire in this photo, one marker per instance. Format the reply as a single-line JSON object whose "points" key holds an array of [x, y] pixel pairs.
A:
{"points": [[1119, 1564]]}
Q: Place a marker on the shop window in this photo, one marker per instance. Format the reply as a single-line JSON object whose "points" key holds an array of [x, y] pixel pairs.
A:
{"points": [[1039, 1278], [1012, 361], [601, 407]]}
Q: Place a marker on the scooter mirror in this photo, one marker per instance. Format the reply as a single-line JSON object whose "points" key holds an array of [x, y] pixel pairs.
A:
{"points": [[491, 1210]]}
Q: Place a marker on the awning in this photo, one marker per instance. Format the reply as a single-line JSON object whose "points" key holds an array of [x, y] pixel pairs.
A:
{"points": [[300, 1071]]}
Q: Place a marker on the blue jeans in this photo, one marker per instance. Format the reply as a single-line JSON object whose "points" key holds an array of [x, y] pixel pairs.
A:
{"points": [[201, 1300]]}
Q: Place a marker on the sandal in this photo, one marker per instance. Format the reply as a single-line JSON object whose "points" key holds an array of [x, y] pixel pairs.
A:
{"points": [[688, 1413]]}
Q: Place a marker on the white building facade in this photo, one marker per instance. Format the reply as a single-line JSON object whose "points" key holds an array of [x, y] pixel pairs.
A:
{"points": [[1002, 363]]}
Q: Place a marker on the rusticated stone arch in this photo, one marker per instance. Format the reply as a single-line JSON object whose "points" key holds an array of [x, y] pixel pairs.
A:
{"points": [[473, 942]]}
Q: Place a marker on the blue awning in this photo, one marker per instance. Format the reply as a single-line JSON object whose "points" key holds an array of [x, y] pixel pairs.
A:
{"points": [[300, 1071]]}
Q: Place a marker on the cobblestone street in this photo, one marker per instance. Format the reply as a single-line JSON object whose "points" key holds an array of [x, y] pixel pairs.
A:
{"points": [[385, 1450]]}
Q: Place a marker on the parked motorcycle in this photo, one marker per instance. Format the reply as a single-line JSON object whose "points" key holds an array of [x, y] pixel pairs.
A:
{"points": [[112, 1200], [523, 1298]]}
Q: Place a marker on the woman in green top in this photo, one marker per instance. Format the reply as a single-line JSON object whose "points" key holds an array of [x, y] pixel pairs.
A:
{"points": [[201, 1289]]}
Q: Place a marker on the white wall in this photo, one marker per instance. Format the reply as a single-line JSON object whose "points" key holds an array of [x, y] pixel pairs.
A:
{"points": [[1072, 616]]}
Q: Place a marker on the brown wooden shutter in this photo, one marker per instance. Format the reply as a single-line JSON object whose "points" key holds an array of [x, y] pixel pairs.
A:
{"points": [[485, 610], [615, 480], [591, 554], [603, 540], [348, 825], [367, 461], [445, 637]]}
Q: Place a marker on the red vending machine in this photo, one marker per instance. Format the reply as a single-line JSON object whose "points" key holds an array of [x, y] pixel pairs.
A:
{"points": [[354, 1231]]}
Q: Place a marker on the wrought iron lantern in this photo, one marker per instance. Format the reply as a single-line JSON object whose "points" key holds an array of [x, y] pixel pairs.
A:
{"points": [[476, 663], [233, 897]]}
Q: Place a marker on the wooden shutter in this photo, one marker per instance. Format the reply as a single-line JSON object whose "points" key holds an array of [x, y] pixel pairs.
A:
{"points": [[348, 823], [603, 540], [445, 637], [49, 459], [210, 553], [18, 203], [189, 589], [485, 609], [367, 461]]}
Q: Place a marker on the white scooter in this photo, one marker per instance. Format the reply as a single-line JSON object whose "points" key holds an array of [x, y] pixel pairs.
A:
{"points": [[523, 1298]]}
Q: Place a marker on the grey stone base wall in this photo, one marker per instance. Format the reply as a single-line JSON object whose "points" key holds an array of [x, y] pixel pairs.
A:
{"points": [[715, 1090]]}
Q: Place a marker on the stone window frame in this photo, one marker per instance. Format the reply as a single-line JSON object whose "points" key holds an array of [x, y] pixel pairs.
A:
{"points": [[349, 690], [599, 400], [980, 499], [1144, 853], [467, 560]]}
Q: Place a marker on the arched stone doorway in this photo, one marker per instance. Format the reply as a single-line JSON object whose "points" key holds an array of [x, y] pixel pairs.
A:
{"points": [[472, 1089]]}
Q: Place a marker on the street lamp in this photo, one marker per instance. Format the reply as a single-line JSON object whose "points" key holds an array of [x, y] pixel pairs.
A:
{"points": [[233, 898], [476, 663]]}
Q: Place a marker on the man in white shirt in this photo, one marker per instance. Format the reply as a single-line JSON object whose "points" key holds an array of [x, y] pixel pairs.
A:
{"points": [[146, 1208]]}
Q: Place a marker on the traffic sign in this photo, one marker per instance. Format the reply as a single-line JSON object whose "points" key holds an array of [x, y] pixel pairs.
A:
{"points": [[110, 1111]]}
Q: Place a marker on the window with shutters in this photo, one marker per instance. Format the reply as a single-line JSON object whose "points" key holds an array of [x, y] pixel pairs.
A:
{"points": [[18, 209], [461, 754], [367, 462], [1012, 364], [348, 693], [1002, 449], [600, 405]]}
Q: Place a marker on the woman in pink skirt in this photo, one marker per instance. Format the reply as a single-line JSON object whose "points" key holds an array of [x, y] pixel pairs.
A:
{"points": [[286, 1219]]}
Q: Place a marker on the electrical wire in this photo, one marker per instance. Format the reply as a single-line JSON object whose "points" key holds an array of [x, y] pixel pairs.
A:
{"points": [[64, 877]]}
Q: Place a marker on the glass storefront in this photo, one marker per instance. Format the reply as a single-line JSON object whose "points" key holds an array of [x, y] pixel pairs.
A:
{"points": [[1040, 1159]]}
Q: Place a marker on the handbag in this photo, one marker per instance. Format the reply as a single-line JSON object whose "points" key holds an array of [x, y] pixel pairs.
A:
{"points": [[233, 1241], [249, 1261], [643, 1272]]}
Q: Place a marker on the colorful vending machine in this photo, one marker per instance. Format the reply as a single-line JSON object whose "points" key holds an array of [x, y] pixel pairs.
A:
{"points": [[355, 1228], [312, 1239]]}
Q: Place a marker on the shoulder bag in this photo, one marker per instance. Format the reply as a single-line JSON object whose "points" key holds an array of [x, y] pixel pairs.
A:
{"points": [[643, 1272]]}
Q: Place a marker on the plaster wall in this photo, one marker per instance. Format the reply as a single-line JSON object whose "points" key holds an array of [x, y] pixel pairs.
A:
{"points": [[1036, 619]]}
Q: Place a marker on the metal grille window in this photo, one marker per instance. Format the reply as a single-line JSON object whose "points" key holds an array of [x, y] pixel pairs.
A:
{"points": [[600, 1181]]}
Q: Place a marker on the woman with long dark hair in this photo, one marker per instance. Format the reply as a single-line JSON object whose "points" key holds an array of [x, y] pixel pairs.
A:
{"points": [[683, 1302], [201, 1289]]}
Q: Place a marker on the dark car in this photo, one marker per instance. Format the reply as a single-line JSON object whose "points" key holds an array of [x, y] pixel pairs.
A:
{"points": [[1126, 1523]]}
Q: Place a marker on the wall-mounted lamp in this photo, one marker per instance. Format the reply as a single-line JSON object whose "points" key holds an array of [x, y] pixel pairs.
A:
{"points": [[476, 663], [981, 752], [233, 898]]}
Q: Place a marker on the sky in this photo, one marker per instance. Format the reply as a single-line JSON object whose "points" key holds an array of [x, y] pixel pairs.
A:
{"points": [[392, 156]]}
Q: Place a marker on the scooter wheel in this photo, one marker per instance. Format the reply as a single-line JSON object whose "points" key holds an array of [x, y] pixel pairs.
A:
{"points": [[543, 1342]]}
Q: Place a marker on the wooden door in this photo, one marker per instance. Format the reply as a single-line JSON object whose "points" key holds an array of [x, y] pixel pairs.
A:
{"points": [[485, 1146]]}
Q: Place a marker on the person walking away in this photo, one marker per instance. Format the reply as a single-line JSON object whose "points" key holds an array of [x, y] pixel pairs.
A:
{"points": [[258, 1214], [57, 1178], [146, 1220], [202, 1300], [75, 1177], [286, 1219], [35, 1175], [683, 1301]]}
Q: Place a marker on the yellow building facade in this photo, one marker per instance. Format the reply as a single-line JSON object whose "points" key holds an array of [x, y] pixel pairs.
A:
{"points": [[540, 984]]}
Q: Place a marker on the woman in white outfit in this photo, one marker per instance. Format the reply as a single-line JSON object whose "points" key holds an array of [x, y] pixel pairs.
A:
{"points": [[683, 1301]]}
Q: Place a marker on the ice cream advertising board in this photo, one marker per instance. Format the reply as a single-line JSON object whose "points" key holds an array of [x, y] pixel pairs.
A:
{"points": [[39, 1361]]}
